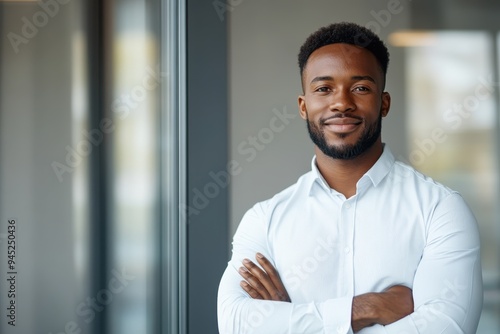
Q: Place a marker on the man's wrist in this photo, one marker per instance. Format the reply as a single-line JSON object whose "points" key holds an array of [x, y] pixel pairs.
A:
{"points": [[381, 308], [364, 311]]}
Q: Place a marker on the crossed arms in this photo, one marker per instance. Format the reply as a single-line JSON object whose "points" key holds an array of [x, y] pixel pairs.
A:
{"points": [[367, 309], [445, 295]]}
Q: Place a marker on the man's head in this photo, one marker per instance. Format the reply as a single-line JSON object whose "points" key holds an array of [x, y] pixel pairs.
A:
{"points": [[343, 69], [347, 33]]}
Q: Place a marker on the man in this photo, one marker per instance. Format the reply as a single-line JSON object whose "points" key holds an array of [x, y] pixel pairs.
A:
{"points": [[361, 243]]}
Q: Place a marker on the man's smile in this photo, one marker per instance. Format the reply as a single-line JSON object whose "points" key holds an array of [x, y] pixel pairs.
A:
{"points": [[343, 125]]}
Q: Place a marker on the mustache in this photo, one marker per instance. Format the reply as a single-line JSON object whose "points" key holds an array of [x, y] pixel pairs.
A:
{"points": [[340, 115]]}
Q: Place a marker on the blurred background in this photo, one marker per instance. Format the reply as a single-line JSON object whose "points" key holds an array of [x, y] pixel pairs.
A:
{"points": [[136, 133]]}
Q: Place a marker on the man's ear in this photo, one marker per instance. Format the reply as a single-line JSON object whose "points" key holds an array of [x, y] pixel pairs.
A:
{"points": [[386, 104], [302, 107]]}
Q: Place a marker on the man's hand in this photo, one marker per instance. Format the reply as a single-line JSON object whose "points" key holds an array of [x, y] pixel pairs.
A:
{"points": [[368, 309], [381, 308], [262, 284]]}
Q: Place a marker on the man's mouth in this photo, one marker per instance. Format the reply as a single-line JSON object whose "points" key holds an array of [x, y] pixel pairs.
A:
{"points": [[342, 124]]}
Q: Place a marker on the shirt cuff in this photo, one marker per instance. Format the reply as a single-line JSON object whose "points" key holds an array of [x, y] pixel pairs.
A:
{"points": [[402, 326], [337, 315], [375, 329]]}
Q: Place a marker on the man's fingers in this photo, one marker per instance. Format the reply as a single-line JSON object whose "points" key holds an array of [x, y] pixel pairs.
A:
{"points": [[254, 281], [280, 291], [263, 279], [268, 267], [265, 282], [251, 291]]}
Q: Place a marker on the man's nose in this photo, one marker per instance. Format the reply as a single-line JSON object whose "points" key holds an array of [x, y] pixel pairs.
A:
{"points": [[342, 101]]}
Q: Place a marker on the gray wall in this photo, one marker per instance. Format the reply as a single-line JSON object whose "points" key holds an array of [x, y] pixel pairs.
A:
{"points": [[35, 127], [207, 160], [265, 37]]}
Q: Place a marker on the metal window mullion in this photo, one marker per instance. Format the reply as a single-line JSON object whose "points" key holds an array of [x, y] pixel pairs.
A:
{"points": [[173, 168], [99, 163], [182, 165], [496, 79]]}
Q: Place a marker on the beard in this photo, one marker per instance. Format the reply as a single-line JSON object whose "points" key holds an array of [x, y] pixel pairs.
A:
{"points": [[369, 137]]}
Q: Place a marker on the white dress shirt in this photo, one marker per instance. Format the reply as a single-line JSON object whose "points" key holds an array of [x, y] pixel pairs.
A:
{"points": [[400, 228]]}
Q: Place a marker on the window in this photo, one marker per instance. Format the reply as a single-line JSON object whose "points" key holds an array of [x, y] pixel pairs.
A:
{"points": [[453, 131], [92, 126]]}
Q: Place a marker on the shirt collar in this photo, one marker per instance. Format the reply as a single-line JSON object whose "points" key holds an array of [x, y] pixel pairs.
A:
{"points": [[375, 174]]}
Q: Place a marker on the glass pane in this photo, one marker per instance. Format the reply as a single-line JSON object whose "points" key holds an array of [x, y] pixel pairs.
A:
{"points": [[452, 134], [135, 88], [44, 170]]}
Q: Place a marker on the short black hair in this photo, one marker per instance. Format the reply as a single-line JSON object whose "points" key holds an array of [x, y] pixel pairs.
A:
{"points": [[348, 33]]}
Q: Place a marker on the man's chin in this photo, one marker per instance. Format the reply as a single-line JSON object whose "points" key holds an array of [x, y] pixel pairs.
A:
{"points": [[342, 143], [337, 152]]}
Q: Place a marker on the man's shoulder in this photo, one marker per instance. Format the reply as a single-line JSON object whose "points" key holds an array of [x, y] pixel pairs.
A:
{"points": [[411, 177]]}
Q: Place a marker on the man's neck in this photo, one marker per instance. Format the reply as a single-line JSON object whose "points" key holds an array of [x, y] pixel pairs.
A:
{"points": [[343, 175]]}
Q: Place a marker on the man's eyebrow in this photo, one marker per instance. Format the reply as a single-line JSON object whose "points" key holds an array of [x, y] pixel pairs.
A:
{"points": [[356, 77], [323, 78], [363, 77]]}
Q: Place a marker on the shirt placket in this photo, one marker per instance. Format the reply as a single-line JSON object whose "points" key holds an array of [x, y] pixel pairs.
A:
{"points": [[347, 223], [345, 249]]}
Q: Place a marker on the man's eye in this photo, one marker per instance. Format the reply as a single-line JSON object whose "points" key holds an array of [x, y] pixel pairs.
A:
{"points": [[362, 89], [323, 89]]}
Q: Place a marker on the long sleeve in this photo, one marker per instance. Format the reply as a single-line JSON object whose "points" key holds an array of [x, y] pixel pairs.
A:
{"points": [[400, 228], [240, 314], [447, 288]]}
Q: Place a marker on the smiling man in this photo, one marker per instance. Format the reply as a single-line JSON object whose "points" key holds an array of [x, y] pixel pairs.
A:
{"points": [[361, 243]]}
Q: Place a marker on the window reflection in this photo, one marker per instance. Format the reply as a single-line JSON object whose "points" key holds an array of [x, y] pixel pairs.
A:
{"points": [[452, 129], [135, 82], [44, 170]]}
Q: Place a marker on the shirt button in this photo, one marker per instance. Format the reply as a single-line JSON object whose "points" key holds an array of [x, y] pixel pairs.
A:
{"points": [[341, 329], [347, 250], [348, 205]]}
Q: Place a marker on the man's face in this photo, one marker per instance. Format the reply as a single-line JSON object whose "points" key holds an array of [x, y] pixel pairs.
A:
{"points": [[343, 101]]}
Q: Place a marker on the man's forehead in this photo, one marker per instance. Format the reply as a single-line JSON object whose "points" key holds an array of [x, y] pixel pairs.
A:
{"points": [[330, 58]]}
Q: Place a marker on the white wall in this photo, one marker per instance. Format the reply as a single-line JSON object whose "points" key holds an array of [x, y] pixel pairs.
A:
{"points": [[265, 37]]}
